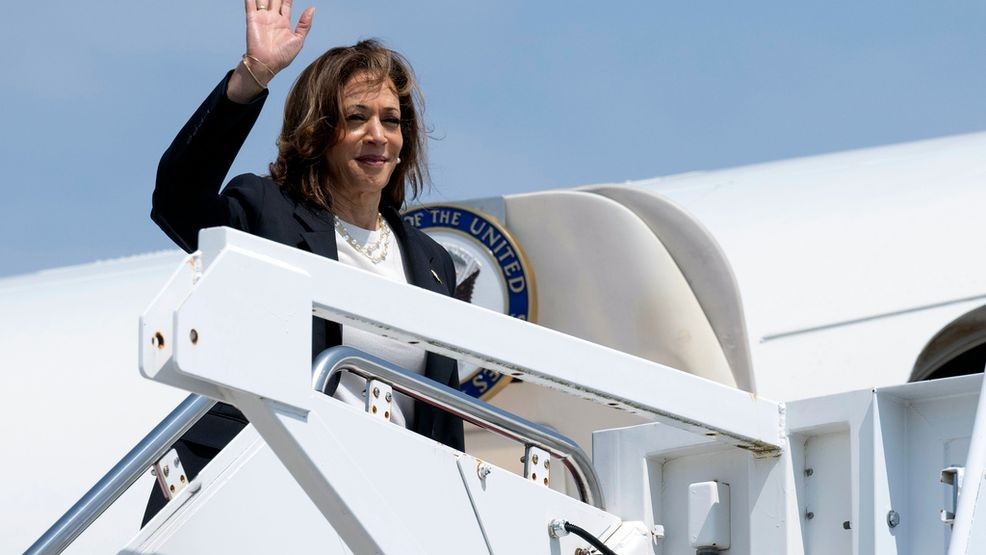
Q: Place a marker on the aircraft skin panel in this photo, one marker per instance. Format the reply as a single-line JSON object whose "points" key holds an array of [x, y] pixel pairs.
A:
{"points": [[874, 353], [74, 401], [834, 238]]}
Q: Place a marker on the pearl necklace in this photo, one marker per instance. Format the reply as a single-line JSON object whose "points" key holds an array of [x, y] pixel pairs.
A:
{"points": [[376, 251]]}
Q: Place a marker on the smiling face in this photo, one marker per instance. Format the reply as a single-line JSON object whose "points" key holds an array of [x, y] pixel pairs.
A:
{"points": [[366, 155]]}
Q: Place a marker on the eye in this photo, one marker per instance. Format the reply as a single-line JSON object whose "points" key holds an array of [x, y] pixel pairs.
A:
{"points": [[355, 117], [392, 122]]}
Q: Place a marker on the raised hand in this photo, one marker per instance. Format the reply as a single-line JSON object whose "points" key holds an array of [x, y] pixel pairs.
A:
{"points": [[269, 35], [271, 45]]}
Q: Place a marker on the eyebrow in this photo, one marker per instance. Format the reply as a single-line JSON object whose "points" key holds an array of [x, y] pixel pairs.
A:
{"points": [[394, 109]]}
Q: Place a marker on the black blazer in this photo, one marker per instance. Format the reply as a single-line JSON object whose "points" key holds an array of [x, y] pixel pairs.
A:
{"points": [[187, 198]]}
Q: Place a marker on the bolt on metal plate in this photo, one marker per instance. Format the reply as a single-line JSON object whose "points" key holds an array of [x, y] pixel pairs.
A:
{"points": [[537, 465], [380, 401], [170, 474]]}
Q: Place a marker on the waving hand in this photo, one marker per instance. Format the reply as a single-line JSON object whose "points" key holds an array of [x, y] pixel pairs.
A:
{"points": [[271, 45]]}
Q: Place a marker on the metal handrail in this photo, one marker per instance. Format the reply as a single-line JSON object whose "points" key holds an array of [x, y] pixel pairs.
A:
{"points": [[331, 361], [122, 476], [328, 364]]}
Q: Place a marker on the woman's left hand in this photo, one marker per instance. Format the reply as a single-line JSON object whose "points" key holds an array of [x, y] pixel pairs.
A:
{"points": [[269, 35], [271, 46]]}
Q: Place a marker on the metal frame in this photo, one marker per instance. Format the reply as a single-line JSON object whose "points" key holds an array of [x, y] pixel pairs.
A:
{"points": [[331, 362], [207, 337], [966, 535], [199, 298], [122, 476], [328, 364]]}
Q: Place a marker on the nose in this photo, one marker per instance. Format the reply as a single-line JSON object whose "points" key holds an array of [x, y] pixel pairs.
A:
{"points": [[374, 131]]}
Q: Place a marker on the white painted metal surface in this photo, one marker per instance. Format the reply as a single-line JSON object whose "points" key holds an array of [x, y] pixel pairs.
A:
{"points": [[968, 536], [373, 502], [229, 328], [249, 503], [244, 502], [840, 465], [852, 459], [827, 502], [646, 472], [68, 346], [631, 294], [708, 515], [704, 265]]}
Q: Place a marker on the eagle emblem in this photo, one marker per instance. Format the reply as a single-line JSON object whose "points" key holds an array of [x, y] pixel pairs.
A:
{"points": [[467, 270], [490, 271]]}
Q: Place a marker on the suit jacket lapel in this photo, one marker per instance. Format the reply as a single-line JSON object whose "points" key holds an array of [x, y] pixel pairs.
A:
{"points": [[321, 239], [418, 264], [321, 235]]}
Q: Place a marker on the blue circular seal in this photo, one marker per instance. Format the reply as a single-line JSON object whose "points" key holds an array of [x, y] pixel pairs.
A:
{"points": [[491, 271]]}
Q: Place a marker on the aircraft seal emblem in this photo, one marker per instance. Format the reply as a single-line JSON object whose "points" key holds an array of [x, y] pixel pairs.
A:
{"points": [[490, 271]]}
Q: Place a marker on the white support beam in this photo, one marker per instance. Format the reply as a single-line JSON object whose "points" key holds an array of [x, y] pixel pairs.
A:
{"points": [[260, 291], [967, 537]]}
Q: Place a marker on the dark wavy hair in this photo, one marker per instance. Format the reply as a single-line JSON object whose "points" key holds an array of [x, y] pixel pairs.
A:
{"points": [[314, 122]]}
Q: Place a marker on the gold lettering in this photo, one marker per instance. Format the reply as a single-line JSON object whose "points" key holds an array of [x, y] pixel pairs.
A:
{"points": [[490, 236], [444, 216], [473, 226], [507, 254], [517, 284], [511, 268], [455, 219], [480, 384]]}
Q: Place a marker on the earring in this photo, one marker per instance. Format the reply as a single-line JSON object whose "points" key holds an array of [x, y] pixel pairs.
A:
{"points": [[398, 159]]}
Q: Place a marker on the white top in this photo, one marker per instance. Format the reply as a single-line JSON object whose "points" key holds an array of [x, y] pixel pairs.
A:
{"points": [[352, 389]]}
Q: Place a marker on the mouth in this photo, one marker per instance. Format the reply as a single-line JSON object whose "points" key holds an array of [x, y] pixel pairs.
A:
{"points": [[372, 160]]}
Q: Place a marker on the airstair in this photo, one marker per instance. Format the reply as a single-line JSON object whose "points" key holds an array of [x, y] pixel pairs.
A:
{"points": [[894, 470]]}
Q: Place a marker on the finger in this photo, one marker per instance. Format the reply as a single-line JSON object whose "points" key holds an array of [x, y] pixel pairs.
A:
{"points": [[250, 5], [273, 5], [286, 9], [304, 23]]}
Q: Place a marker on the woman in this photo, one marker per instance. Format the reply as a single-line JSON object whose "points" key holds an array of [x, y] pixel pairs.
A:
{"points": [[352, 142]]}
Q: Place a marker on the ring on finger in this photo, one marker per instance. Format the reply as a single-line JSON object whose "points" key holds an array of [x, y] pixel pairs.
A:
{"points": [[261, 6]]}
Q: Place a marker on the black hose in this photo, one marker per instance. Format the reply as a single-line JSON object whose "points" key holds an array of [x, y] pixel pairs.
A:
{"points": [[593, 540]]}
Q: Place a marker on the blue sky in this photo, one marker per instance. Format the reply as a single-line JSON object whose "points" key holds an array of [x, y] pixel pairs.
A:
{"points": [[522, 96]]}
